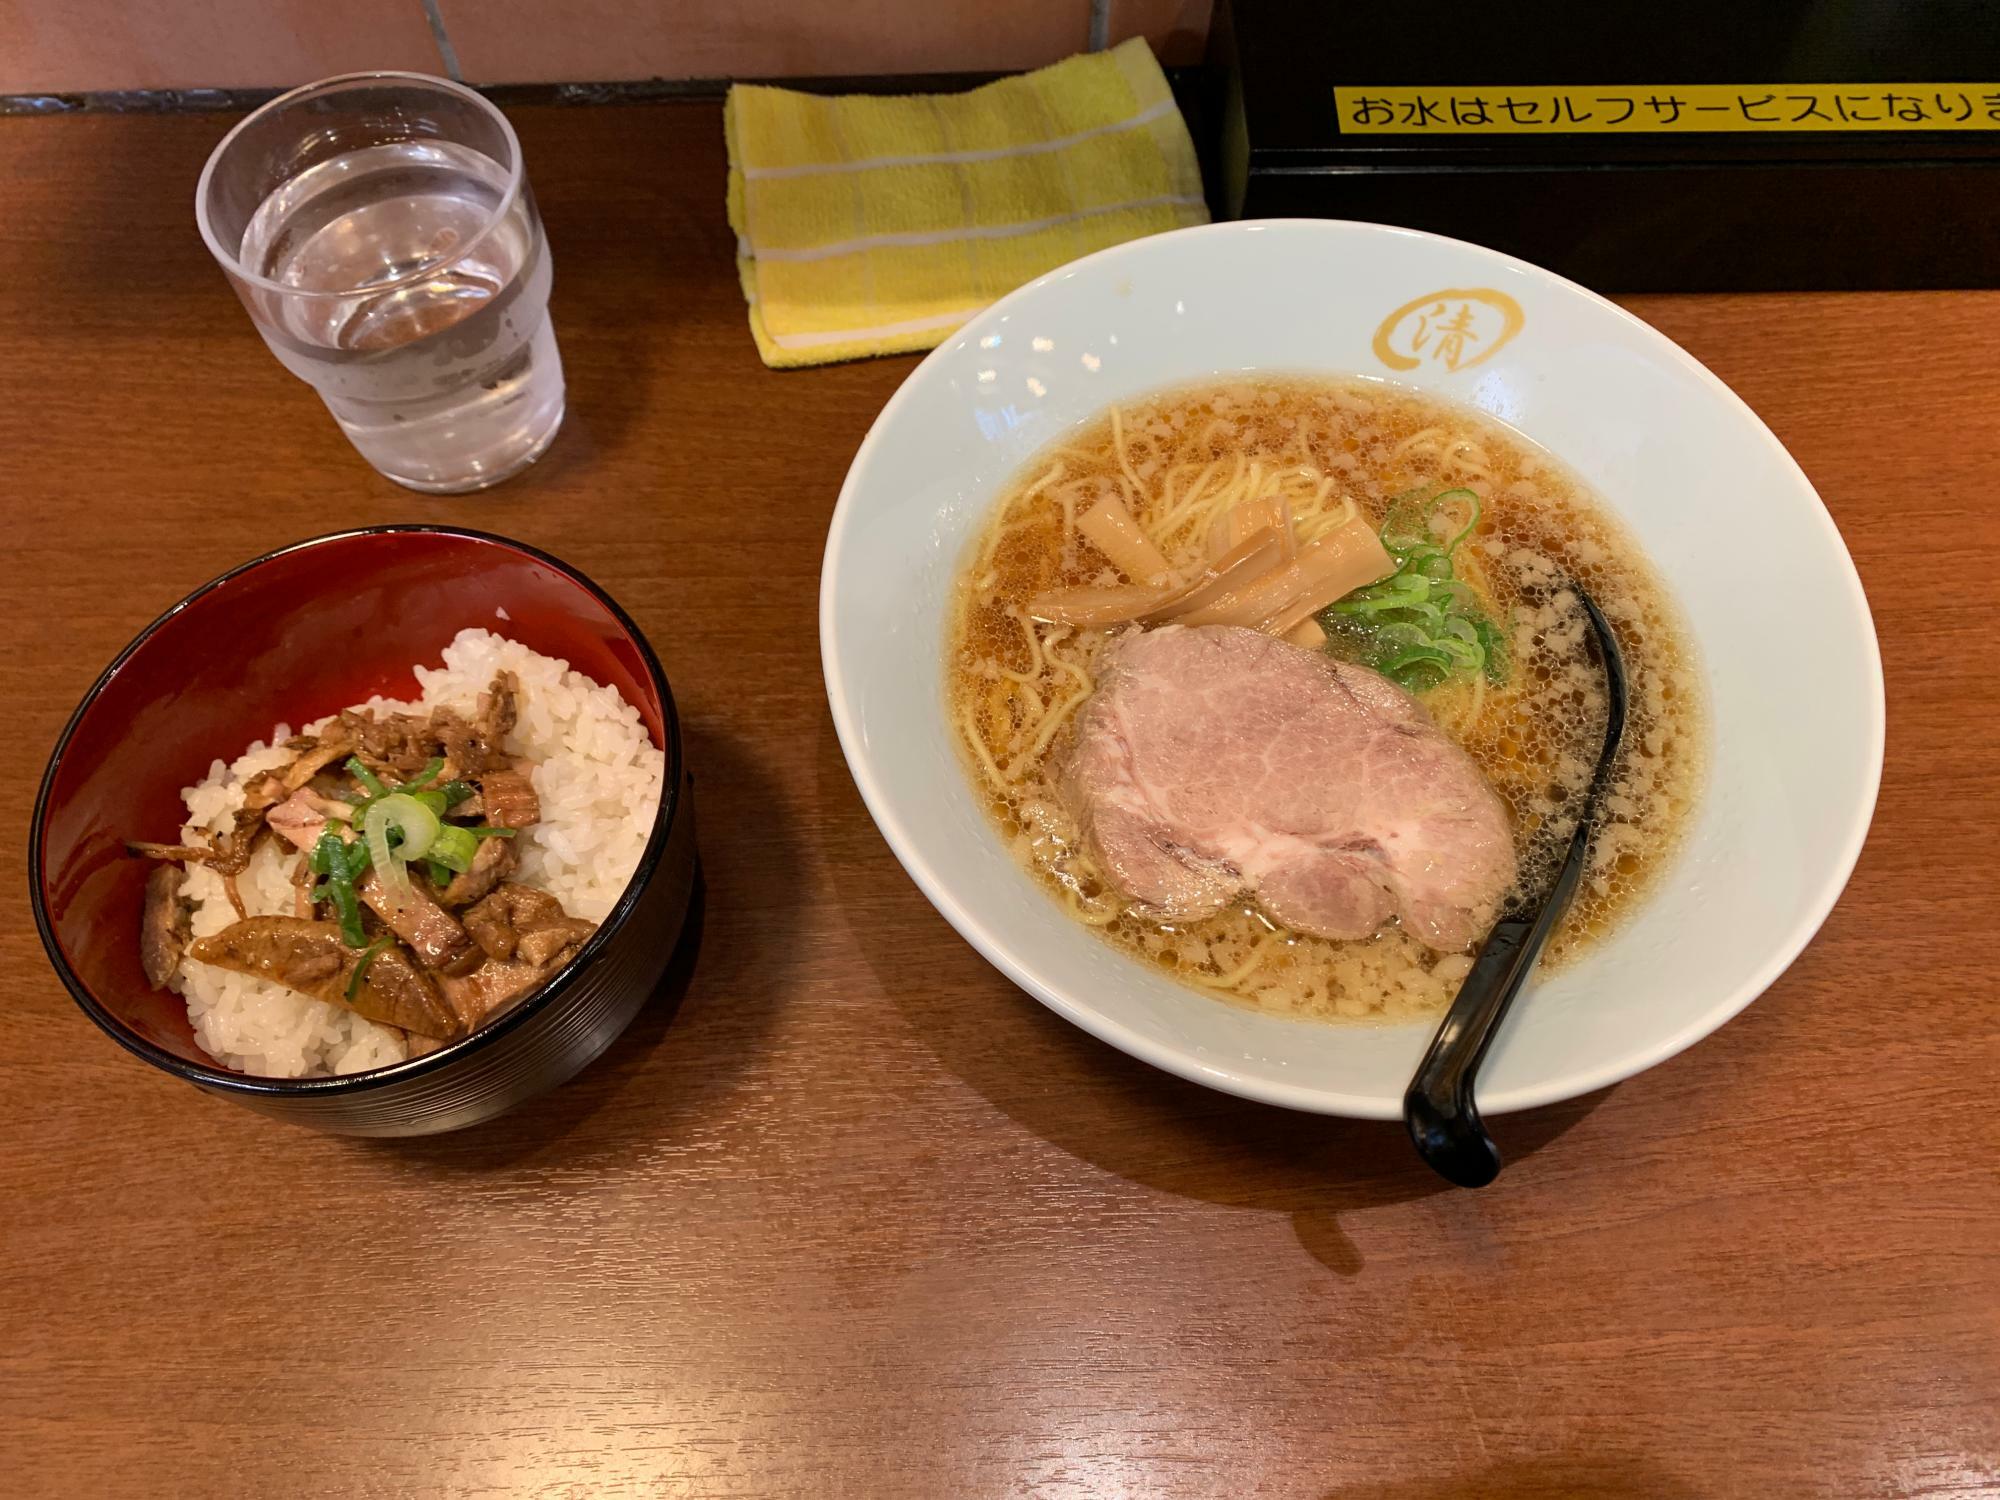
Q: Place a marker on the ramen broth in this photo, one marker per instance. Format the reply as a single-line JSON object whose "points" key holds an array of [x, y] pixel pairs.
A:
{"points": [[1333, 449]]}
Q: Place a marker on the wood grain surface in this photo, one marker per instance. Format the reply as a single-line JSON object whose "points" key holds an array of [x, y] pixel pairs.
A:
{"points": [[847, 1215]]}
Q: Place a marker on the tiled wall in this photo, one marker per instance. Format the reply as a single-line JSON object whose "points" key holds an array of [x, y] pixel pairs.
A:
{"points": [[64, 46]]}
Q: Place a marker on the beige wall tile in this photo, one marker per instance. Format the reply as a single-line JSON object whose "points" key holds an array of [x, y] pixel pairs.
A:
{"points": [[1178, 29], [70, 45], [532, 41], [60, 46]]}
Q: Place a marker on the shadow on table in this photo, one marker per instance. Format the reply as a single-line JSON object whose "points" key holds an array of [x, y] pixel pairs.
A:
{"points": [[1558, 1476], [612, 358], [1128, 1118], [671, 1049], [1124, 1116]]}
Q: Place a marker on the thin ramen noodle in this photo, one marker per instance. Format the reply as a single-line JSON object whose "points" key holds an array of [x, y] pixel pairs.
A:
{"points": [[1333, 450]]}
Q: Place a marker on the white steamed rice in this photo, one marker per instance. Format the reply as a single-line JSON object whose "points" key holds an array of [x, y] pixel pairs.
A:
{"points": [[595, 771]]}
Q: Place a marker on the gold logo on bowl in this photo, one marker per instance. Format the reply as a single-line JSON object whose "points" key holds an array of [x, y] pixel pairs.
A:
{"points": [[1458, 329]]}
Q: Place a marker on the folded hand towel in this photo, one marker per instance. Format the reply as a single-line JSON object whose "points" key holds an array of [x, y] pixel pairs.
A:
{"points": [[871, 225]]}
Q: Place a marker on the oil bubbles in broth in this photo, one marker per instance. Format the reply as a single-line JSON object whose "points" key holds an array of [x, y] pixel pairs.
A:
{"points": [[1508, 675]]}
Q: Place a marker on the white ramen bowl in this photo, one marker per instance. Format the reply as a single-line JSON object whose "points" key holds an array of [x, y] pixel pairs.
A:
{"points": [[1725, 514]]}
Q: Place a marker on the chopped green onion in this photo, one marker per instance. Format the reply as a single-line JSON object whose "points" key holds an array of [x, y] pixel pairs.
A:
{"points": [[440, 873], [348, 910], [337, 862], [456, 792], [419, 787], [1421, 626], [377, 789], [390, 869], [361, 964], [1493, 640], [417, 827], [481, 831], [414, 823], [368, 779], [426, 776], [325, 853], [1408, 528], [454, 847]]}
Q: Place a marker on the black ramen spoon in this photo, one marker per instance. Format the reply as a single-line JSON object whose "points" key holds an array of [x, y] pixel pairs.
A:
{"points": [[1443, 1121]]}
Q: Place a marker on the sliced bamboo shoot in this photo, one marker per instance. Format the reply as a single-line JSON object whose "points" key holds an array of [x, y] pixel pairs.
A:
{"points": [[1236, 569], [1246, 518], [1307, 633], [1349, 557], [1096, 604], [1118, 604], [1110, 528], [1336, 564]]}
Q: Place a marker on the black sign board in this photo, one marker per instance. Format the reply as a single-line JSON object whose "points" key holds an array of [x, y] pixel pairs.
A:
{"points": [[1701, 145]]}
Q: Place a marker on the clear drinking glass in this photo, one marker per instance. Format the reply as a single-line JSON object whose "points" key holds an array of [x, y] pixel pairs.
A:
{"points": [[380, 229]]}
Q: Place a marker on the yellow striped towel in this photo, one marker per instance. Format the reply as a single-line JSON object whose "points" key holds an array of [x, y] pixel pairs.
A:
{"points": [[877, 225]]}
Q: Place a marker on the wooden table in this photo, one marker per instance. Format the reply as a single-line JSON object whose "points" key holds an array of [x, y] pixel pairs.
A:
{"points": [[861, 1219]]}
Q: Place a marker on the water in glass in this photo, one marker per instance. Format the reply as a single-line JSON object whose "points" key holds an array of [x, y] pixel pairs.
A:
{"points": [[445, 379]]}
